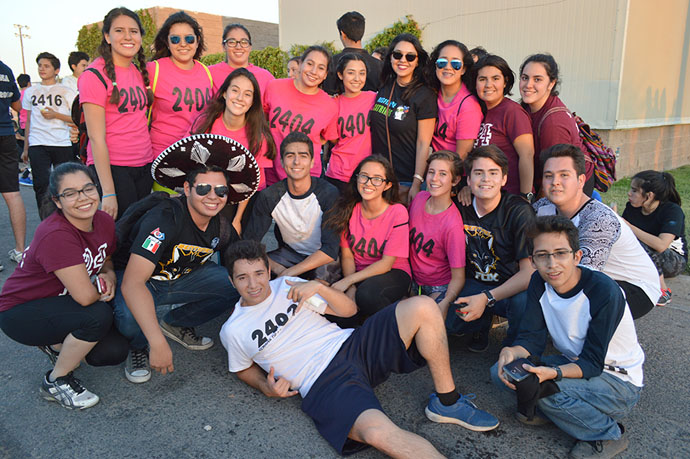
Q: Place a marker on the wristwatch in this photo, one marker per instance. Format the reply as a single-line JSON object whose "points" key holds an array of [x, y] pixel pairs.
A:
{"points": [[528, 196], [492, 300], [559, 373]]}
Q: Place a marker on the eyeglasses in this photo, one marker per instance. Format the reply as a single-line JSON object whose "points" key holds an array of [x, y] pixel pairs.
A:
{"points": [[89, 190], [175, 39], [441, 63], [542, 258], [232, 43], [202, 189], [376, 181], [409, 57]]}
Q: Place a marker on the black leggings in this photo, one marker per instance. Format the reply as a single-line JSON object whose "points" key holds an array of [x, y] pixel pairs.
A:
{"points": [[49, 320], [131, 184], [377, 292]]}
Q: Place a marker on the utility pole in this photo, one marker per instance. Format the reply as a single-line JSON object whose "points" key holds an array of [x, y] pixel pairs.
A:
{"points": [[22, 36]]}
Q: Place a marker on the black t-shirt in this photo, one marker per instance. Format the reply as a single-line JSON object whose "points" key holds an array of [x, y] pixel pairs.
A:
{"points": [[402, 124], [667, 218], [373, 71], [496, 242], [169, 238]]}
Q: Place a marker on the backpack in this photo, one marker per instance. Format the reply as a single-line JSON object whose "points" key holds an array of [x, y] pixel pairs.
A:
{"points": [[78, 118], [603, 157], [128, 222]]}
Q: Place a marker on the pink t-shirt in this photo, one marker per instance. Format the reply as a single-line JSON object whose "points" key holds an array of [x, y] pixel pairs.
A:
{"points": [[240, 136], [501, 126], [386, 234], [221, 70], [290, 110], [354, 136], [179, 97], [126, 127], [57, 244], [437, 242], [22, 112], [457, 120]]}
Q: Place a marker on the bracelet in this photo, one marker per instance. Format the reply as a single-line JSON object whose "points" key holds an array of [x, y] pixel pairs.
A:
{"points": [[418, 177], [108, 195]]}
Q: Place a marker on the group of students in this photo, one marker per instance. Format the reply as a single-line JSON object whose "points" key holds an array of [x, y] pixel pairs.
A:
{"points": [[389, 220]]}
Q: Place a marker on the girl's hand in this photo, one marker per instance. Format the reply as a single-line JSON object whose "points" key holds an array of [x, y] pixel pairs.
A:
{"points": [[109, 206], [465, 196]]}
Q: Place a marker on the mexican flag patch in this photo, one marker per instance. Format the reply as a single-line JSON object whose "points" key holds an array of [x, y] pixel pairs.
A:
{"points": [[151, 244]]}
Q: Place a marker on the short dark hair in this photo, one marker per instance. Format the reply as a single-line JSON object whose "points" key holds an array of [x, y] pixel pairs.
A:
{"points": [[478, 52], [54, 61], [492, 60], [382, 50], [554, 224], [491, 152], [562, 150], [191, 176], [297, 59], [230, 27], [352, 25], [75, 57], [450, 156], [23, 80], [296, 137], [244, 250]]}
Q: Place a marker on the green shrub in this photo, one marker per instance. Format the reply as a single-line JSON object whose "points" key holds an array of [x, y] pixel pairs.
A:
{"points": [[389, 33], [298, 50], [272, 59], [211, 59]]}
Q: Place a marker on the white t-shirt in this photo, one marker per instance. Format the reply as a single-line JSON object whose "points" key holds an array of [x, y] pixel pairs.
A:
{"points": [[42, 131], [71, 82], [609, 245], [298, 346]]}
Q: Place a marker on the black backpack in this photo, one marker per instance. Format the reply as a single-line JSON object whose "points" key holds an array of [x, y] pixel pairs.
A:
{"points": [[78, 118]]}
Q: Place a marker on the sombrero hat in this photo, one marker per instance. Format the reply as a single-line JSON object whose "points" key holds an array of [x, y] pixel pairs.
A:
{"points": [[170, 168]]}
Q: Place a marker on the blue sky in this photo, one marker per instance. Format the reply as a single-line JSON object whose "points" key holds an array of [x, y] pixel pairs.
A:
{"points": [[53, 25]]}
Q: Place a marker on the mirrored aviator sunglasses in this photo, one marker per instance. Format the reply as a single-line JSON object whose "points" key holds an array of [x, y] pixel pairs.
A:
{"points": [[175, 39], [202, 189], [455, 63]]}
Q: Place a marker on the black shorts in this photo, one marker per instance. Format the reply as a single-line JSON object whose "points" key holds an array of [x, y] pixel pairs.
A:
{"points": [[9, 164], [345, 388], [638, 301]]}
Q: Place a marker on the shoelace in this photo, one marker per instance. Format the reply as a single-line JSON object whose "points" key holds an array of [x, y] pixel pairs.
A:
{"points": [[191, 332], [73, 382], [139, 359], [597, 446]]}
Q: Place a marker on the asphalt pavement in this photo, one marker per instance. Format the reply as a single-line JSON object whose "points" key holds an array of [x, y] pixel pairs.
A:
{"points": [[202, 411]]}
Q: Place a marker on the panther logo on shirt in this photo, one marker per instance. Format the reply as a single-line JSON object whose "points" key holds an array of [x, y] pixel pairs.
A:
{"points": [[482, 256]]}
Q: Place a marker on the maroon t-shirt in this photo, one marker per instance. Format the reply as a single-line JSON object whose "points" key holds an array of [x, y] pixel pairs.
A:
{"points": [[558, 127], [501, 126], [57, 244]]}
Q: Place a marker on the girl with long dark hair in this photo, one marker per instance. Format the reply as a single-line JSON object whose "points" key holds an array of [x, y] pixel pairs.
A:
{"points": [[114, 95], [403, 117], [374, 246]]}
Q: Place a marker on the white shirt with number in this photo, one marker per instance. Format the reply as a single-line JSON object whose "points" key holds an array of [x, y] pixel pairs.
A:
{"points": [[298, 346], [42, 131]]}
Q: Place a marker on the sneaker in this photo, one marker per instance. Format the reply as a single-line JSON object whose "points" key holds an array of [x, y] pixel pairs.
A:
{"points": [[15, 255], [479, 342], [50, 352], [26, 181], [599, 449], [68, 392], [537, 419], [137, 369], [186, 336], [463, 412], [665, 297]]}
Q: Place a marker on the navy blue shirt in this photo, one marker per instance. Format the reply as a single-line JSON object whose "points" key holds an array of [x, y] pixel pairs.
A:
{"points": [[9, 92]]}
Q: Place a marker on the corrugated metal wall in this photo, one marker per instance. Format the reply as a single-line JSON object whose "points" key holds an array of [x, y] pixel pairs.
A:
{"points": [[585, 36]]}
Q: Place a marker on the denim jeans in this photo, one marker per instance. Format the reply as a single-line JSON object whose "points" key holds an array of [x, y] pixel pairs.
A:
{"points": [[429, 290], [188, 301], [586, 409], [511, 308]]}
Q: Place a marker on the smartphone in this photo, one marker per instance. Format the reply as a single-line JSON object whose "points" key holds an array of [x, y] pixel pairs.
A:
{"points": [[101, 285], [515, 371]]}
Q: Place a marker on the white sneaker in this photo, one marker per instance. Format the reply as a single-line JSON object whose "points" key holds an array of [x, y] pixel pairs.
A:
{"points": [[68, 392], [15, 255], [137, 369]]}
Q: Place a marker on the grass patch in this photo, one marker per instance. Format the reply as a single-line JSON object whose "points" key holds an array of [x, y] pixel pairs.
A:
{"points": [[618, 193]]}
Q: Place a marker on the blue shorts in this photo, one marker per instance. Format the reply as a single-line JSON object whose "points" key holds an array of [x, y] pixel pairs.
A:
{"points": [[344, 390]]}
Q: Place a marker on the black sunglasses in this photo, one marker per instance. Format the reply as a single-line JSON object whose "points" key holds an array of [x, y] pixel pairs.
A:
{"points": [[175, 39], [409, 57], [202, 189], [441, 63]]}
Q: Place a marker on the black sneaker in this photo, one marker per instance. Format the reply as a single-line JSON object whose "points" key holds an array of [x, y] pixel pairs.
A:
{"points": [[479, 342], [68, 392], [137, 369]]}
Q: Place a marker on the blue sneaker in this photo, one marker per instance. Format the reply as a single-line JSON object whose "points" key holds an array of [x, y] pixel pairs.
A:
{"points": [[463, 413], [26, 181]]}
